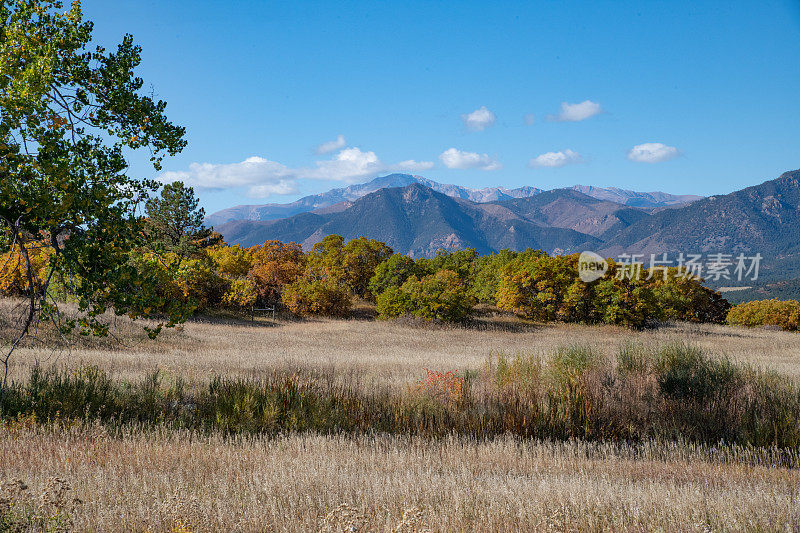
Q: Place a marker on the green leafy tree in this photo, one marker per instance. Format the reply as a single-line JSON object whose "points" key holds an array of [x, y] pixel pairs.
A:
{"points": [[326, 261], [540, 287], [487, 272], [67, 112], [441, 296], [175, 222], [625, 302], [685, 298], [534, 285], [361, 258], [393, 272], [462, 262]]}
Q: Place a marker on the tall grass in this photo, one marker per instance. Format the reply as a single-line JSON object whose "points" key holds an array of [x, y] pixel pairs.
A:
{"points": [[673, 392]]}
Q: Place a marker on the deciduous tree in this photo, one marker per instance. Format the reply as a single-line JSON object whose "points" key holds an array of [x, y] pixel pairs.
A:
{"points": [[361, 258], [67, 112], [275, 265]]}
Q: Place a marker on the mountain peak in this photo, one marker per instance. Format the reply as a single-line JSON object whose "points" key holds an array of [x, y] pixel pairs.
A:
{"points": [[791, 178]]}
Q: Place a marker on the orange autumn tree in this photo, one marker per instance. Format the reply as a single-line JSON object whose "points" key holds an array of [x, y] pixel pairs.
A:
{"points": [[275, 265]]}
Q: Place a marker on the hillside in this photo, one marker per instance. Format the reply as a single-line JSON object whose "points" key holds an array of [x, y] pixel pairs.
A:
{"points": [[568, 208], [762, 219]]}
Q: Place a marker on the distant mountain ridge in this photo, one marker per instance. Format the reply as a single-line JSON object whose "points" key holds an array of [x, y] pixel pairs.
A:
{"points": [[419, 221], [488, 194]]}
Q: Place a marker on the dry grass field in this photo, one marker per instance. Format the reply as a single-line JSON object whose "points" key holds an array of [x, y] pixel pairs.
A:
{"points": [[392, 351], [155, 482], [145, 479]]}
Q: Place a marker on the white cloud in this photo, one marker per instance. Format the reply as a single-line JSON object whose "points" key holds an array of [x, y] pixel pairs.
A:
{"points": [[556, 159], [350, 165], [263, 177], [412, 166], [478, 120], [652, 153], [331, 146], [453, 158], [529, 119], [577, 112]]}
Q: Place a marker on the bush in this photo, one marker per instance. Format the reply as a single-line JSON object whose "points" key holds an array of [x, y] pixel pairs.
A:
{"points": [[782, 313], [487, 274], [685, 298], [361, 257], [317, 297], [240, 294], [13, 279], [440, 296], [230, 261], [394, 302], [200, 282]]}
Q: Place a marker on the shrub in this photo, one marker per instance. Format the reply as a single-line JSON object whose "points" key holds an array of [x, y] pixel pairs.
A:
{"points": [[440, 296], [534, 285], [785, 314], [625, 302], [685, 298], [394, 302], [200, 282], [447, 386], [317, 297], [240, 294], [231, 261], [487, 274]]}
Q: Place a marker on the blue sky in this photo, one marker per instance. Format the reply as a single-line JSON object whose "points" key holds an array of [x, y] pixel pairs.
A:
{"points": [[261, 85]]}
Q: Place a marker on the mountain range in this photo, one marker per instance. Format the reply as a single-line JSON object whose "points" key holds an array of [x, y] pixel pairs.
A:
{"points": [[488, 194], [419, 220]]}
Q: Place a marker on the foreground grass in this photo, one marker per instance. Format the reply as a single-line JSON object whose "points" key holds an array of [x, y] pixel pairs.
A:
{"points": [[673, 392], [141, 480], [171, 455]]}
